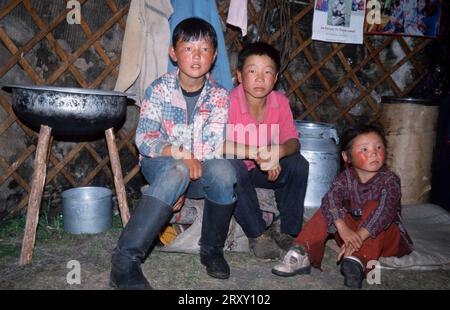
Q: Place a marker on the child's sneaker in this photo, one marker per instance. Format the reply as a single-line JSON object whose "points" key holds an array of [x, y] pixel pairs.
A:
{"points": [[353, 271], [295, 262]]}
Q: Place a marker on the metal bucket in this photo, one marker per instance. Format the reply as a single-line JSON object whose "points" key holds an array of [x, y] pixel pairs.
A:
{"points": [[87, 210], [319, 145]]}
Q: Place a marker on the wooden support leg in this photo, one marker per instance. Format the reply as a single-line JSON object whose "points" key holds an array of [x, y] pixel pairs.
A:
{"points": [[34, 201], [118, 178]]}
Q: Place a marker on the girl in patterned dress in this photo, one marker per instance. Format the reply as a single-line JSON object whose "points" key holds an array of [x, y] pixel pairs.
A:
{"points": [[361, 211]]}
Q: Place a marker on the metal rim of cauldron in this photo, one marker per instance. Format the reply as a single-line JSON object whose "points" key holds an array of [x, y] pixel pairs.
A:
{"points": [[393, 100], [88, 113], [69, 90]]}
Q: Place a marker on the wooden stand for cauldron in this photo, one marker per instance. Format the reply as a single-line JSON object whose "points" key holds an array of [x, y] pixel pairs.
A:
{"points": [[38, 181]]}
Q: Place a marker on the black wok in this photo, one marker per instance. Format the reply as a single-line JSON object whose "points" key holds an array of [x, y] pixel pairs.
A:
{"points": [[70, 112]]}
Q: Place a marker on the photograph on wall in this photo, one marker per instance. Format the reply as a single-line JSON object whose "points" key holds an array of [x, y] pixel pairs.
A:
{"points": [[339, 21], [404, 17]]}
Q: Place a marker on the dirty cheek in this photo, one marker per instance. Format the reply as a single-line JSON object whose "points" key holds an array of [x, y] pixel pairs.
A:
{"points": [[361, 158], [382, 155]]}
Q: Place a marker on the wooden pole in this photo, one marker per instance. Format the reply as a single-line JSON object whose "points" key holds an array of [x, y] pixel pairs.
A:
{"points": [[34, 202], [118, 178]]}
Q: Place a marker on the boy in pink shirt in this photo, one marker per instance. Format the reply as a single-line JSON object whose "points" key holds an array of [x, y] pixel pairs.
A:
{"points": [[262, 134]]}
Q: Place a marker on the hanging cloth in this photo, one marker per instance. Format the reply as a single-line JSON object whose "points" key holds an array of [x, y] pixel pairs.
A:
{"points": [[207, 10], [237, 15], [145, 46]]}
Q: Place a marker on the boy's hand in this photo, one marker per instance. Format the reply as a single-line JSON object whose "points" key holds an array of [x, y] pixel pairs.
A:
{"points": [[348, 235], [268, 157], [195, 168], [252, 152], [178, 204], [274, 174]]}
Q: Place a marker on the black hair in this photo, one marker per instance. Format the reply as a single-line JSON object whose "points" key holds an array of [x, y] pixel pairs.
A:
{"points": [[260, 49], [351, 132], [192, 29]]}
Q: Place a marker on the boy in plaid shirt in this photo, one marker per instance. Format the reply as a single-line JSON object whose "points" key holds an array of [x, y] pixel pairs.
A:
{"points": [[180, 138]]}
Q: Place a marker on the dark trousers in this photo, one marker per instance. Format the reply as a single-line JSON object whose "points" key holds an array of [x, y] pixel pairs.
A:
{"points": [[290, 189]]}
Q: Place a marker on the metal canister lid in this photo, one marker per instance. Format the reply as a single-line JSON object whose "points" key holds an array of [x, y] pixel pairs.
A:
{"points": [[391, 100], [313, 125], [317, 130]]}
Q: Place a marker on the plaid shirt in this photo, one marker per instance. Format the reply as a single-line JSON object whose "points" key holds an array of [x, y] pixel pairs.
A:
{"points": [[348, 194], [163, 119]]}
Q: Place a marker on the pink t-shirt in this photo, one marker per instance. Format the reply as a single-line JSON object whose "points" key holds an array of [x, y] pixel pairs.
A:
{"points": [[276, 128]]}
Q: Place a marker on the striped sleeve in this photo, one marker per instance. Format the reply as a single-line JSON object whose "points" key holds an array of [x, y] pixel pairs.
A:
{"points": [[332, 206]]}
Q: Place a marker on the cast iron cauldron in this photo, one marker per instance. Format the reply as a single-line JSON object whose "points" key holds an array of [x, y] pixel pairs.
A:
{"points": [[70, 112]]}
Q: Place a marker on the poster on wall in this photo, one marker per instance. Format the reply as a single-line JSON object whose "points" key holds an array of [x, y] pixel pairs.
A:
{"points": [[339, 21], [404, 17]]}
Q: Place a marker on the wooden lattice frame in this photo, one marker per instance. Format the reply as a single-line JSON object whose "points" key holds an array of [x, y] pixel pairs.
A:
{"points": [[124, 138], [302, 49]]}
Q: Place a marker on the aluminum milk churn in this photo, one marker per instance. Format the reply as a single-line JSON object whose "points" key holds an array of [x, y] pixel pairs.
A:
{"points": [[319, 145]]}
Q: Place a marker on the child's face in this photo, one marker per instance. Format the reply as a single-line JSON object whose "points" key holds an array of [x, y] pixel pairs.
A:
{"points": [[367, 154], [258, 76], [194, 58]]}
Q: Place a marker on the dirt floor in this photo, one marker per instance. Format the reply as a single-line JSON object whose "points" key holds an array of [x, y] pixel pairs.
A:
{"points": [[175, 271]]}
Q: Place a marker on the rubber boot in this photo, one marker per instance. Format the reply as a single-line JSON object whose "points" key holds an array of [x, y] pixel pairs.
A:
{"points": [[138, 235], [215, 224]]}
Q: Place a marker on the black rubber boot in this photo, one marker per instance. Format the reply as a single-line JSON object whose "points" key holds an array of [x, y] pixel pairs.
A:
{"points": [[138, 235], [353, 271], [215, 224]]}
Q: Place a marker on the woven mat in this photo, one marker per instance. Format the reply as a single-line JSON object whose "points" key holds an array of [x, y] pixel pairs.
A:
{"points": [[429, 228]]}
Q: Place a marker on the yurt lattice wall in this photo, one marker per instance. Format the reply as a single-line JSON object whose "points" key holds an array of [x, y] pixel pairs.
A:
{"points": [[314, 92]]}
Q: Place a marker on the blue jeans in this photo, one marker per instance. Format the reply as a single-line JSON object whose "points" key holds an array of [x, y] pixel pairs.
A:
{"points": [[169, 179], [290, 190]]}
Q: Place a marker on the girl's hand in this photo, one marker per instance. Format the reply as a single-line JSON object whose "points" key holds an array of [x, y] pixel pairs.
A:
{"points": [[274, 174], [345, 251], [348, 235], [363, 233], [341, 253]]}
